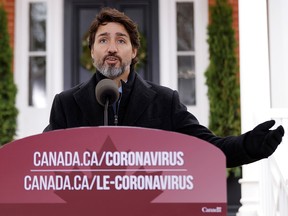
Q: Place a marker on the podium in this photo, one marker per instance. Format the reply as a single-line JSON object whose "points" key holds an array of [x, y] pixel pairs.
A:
{"points": [[109, 171]]}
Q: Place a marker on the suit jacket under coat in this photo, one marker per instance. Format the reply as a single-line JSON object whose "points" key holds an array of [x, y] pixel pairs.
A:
{"points": [[143, 104]]}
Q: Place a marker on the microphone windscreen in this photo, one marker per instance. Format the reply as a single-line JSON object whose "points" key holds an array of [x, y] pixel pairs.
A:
{"points": [[106, 89]]}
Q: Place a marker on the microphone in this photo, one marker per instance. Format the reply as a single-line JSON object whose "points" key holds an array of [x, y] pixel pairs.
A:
{"points": [[107, 93]]}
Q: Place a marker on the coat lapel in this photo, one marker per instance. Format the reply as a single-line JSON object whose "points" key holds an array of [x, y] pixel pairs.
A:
{"points": [[141, 97], [86, 100]]}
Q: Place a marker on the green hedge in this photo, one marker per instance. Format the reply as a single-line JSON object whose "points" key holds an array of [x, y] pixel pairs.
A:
{"points": [[222, 73], [8, 111]]}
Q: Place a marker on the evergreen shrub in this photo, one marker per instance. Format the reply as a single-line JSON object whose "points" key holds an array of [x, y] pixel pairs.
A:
{"points": [[8, 111], [222, 77]]}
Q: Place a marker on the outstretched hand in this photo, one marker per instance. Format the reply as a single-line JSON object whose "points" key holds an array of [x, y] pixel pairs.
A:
{"points": [[262, 142]]}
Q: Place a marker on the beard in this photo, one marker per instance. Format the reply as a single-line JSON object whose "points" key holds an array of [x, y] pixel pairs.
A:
{"points": [[111, 70]]}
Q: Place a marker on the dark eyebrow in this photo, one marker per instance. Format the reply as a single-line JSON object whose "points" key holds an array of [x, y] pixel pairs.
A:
{"points": [[117, 33], [103, 34]]}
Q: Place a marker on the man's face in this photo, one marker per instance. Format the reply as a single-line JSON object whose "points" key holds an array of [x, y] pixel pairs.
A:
{"points": [[112, 50]]}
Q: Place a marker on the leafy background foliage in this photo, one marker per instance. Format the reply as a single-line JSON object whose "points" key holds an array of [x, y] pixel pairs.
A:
{"points": [[8, 111], [222, 75]]}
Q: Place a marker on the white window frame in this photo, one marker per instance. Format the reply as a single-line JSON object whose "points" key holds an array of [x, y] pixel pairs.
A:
{"points": [[168, 52], [32, 120]]}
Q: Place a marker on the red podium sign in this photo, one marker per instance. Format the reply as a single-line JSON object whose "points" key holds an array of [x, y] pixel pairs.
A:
{"points": [[112, 171]]}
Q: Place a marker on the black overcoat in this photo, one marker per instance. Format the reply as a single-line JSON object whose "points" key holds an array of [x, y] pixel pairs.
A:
{"points": [[143, 104]]}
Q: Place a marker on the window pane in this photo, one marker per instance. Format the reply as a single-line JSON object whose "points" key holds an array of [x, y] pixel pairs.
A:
{"points": [[37, 82], [186, 79], [185, 26], [37, 35]]}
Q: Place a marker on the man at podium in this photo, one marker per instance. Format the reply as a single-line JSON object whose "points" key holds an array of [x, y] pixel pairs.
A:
{"points": [[114, 42]]}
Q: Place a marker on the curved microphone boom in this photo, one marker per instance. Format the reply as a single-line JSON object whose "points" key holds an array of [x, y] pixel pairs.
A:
{"points": [[107, 93]]}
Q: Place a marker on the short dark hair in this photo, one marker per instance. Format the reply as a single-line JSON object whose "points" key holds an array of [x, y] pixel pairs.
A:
{"points": [[107, 15]]}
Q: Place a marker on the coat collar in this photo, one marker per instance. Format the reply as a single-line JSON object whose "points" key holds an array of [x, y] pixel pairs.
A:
{"points": [[138, 91], [141, 97], [86, 99]]}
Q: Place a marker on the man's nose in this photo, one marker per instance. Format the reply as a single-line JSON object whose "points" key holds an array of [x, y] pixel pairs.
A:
{"points": [[112, 47]]}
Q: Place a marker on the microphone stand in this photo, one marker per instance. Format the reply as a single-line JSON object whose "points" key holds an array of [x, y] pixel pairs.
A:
{"points": [[106, 112], [106, 91]]}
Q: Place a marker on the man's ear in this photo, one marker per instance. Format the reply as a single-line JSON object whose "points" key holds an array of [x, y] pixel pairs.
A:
{"points": [[91, 52], [134, 53]]}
